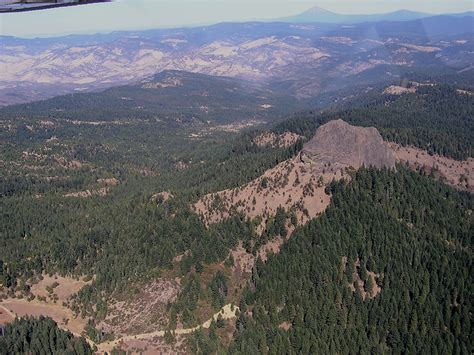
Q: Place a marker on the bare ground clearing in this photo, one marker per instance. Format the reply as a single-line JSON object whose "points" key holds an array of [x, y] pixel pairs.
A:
{"points": [[61, 315], [459, 174]]}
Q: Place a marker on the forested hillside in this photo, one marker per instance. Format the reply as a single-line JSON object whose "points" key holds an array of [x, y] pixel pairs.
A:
{"points": [[413, 234], [111, 202], [42, 230], [40, 336], [174, 97]]}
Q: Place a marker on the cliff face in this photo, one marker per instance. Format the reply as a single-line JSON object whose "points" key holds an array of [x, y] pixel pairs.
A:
{"points": [[338, 144]]}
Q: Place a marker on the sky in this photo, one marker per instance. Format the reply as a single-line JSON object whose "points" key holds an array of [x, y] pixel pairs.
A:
{"points": [[147, 14]]}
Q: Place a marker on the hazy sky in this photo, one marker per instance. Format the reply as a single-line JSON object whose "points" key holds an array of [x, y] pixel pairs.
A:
{"points": [[145, 14]]}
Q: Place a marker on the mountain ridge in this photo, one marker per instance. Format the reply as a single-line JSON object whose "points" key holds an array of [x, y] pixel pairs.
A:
{"points": [[320, 15], [173, 96], [305, 58]]}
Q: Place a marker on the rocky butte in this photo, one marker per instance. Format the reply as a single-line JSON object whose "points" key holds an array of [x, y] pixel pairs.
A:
{"points": [[299, 183], [338, 144]]}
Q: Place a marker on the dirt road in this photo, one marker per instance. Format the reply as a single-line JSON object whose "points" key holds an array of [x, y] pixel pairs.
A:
{"points": [[227, 312]]}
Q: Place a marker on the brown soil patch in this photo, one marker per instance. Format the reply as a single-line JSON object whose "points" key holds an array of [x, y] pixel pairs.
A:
{"points": [[426, 49], [6, 316], [162, 197], [177, 259], [65, 288], [61, 315], [271, 247], [109, 182], [276, 141], [166, 83], [97, 123], [68, 164], [148, 172], [234, 127], [459, 174], [152, 346], [360, 284], [399, 90], [244, 261], [60, 160], [181, 165], [102, 192], [285, 326], [464, 92]]}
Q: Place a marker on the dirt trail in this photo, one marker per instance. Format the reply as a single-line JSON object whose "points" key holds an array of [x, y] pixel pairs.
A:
{"points": [[226, 313]]}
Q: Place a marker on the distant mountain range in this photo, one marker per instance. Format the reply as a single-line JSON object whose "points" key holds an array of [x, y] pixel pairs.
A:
{"points": [[318, 14], [299, 59]]}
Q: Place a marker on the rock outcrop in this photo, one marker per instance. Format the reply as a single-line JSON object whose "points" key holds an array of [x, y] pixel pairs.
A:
{"points": [[339, 145]]}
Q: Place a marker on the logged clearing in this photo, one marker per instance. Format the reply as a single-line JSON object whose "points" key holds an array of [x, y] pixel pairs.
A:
{"points": [[459, 174]]}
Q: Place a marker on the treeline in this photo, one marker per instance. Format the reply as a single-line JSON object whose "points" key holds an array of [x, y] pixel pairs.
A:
{"points": [[40, 336], [415, 235]]}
